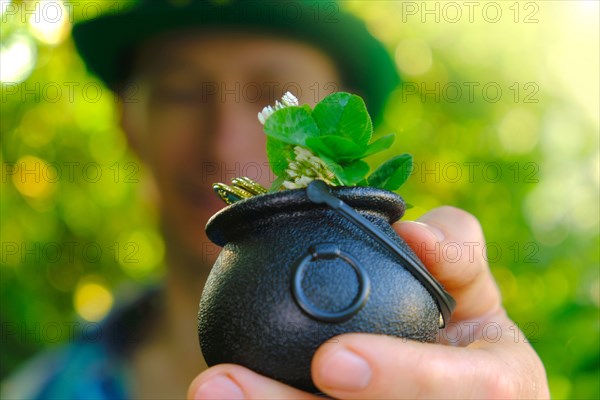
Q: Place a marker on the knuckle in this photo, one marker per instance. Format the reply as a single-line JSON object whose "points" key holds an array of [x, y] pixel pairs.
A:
{"points": [[431, 374], [501, 386], [500, 382], [467, 219]]}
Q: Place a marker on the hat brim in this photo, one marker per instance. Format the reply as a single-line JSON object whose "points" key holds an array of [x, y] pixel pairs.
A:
{"points": [[107, 43]]}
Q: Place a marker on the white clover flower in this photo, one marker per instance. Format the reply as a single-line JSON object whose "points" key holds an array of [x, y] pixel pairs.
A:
{"points": [[306, 168], [290, 185], [303, 181], [265, 113], [287, 100], [302, 153]]}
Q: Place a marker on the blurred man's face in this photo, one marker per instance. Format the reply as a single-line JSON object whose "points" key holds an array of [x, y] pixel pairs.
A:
{"points": [[197, 124]]}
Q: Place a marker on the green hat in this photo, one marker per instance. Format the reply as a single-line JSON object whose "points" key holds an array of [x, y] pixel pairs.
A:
{"points": [[106, 43]]}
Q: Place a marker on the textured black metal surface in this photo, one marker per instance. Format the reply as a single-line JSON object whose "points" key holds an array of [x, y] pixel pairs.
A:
{"points": [[248, 315], [328, 251]]}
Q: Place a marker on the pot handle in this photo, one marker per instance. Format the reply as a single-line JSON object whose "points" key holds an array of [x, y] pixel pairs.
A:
{"points": [[329, 251], [318, 192]]}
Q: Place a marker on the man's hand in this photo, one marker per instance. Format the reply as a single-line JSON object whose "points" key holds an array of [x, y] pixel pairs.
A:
{"points": [[487, 356]]}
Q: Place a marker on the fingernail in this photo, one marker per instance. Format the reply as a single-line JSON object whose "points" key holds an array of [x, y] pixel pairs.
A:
{"points": [[219, 387], [345, 370], [436, 231]]}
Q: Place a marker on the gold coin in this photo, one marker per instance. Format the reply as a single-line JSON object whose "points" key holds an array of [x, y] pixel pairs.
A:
{"points": [[248, 185], [230, 194]]}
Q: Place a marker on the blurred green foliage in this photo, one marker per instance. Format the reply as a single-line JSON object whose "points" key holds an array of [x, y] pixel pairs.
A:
{"points": [[500, 114]]}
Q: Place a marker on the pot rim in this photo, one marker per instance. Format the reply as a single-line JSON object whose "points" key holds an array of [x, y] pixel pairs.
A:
{"points": [[388, 205]]}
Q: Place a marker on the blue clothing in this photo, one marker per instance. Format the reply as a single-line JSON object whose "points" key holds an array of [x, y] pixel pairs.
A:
{"points": [[88, 369]]}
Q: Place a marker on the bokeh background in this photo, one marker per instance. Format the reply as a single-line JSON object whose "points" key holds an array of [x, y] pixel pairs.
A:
{"points": [[499, 107]]}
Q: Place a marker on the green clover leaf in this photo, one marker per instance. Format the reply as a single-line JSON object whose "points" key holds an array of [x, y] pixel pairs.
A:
{"points": [[328, 142], [344, 114], [393, 173], [292, 125]]}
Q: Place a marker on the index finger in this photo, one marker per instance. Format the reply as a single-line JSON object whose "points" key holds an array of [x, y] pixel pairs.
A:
{"points": [[450, 243]]}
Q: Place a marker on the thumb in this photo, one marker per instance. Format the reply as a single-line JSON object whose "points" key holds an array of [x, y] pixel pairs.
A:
{"points": [[368, 366]]}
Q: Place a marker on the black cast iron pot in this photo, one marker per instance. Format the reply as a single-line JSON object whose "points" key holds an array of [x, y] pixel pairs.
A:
{"points": [[293, 273]]}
